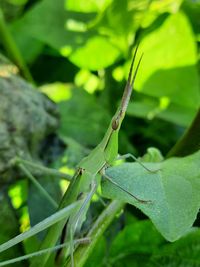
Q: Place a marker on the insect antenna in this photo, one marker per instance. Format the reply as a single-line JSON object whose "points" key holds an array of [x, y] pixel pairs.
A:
{"points": [[130, 83]]}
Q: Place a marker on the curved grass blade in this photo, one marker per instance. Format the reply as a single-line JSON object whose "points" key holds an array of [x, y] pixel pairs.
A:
{"points": [[56, 217]]}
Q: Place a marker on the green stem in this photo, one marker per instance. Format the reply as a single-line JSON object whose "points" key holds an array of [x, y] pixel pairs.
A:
{"points": [[39, 227], [104, 220], [40, 252], [38, 186], [189, 142], [11, 48], [44, 170]]}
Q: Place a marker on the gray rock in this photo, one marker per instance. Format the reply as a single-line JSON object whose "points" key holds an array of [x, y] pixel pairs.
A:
{"points": [[26, 118]]}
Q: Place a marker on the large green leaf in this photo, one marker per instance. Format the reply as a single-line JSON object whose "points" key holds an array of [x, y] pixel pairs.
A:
{"points": [[89, 6], [173, 192], [98, 51], [67, 31], [168, 79], [169, 68]]}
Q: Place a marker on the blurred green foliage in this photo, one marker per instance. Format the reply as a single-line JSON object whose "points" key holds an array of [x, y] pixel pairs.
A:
{"points": [[97, 39], [79, 53], [139, 244]]}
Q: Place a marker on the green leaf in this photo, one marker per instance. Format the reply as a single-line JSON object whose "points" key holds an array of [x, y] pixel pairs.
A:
{"points": [[89, 6], [169, 68], [156, 108], [173, 191], [168, 77], [68, 33], [120, 21], [85, 120], [122, 18], [160, 7], [137, 238], [99, 52], [57, 91], [185, 252], [152, 155]]}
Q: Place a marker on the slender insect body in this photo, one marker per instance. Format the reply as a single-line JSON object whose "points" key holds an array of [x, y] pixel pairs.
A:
{"points": [[97, 158], [104, 154]]}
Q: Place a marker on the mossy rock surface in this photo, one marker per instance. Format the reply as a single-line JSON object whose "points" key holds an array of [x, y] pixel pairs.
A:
{"points": [[26, 118]]}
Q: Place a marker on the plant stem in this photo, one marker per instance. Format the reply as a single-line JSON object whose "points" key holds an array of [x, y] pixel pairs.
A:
{"points": [[40, 252], [12, 49], [104, 220], [39, 227], [38, 186], [44, 170], [189, 142]]}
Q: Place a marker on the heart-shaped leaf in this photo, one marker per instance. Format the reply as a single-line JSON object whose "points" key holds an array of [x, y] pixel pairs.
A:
{"points": [[172, 193]]}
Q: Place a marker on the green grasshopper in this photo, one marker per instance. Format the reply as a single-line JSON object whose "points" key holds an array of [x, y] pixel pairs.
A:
{"points": [[87, 179]]}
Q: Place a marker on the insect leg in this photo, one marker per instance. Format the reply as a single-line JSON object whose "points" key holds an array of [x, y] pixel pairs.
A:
{"points": [[75, 221], [123, 189], [129, 155]]}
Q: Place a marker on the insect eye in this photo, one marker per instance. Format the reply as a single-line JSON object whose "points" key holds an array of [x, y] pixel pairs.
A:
{"points": [[115, 124]]}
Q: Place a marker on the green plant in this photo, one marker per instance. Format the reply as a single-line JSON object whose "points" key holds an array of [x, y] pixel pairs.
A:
{"points": [[94, 42]]}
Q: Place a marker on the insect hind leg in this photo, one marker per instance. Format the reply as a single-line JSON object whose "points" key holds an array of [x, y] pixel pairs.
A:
{"points": [[123, 189]]}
